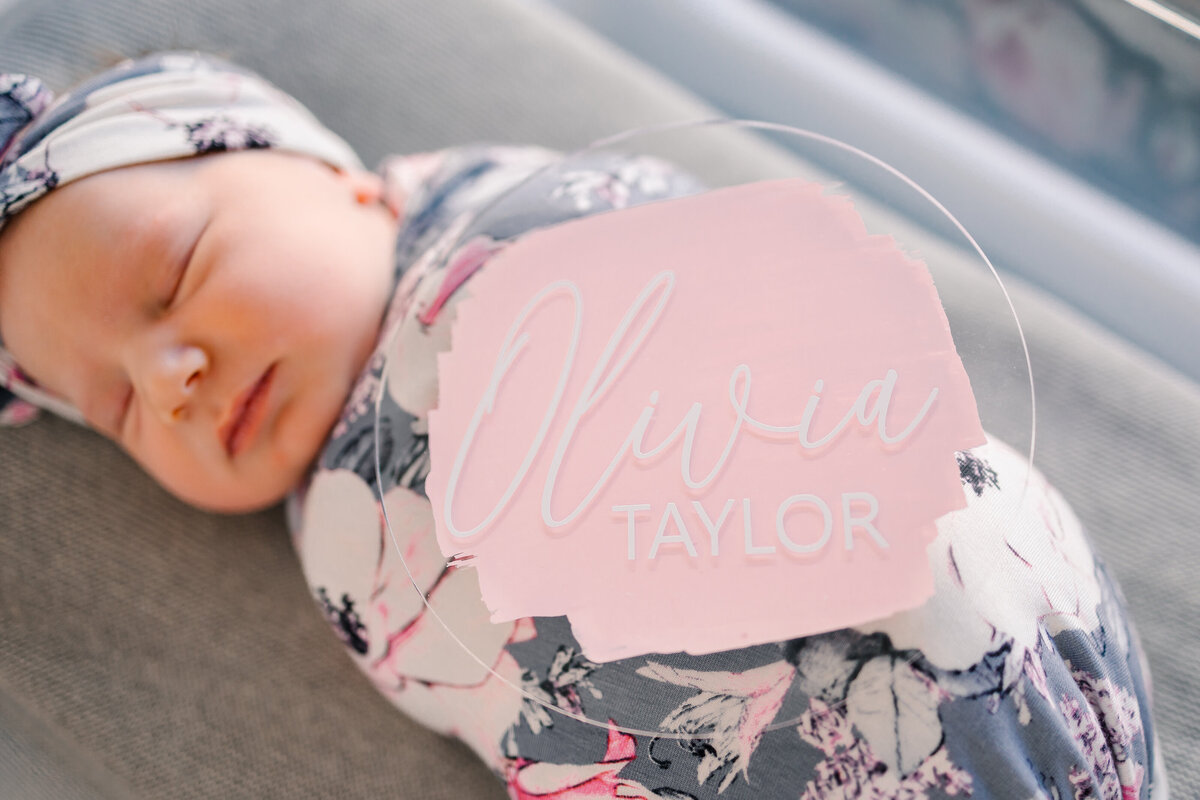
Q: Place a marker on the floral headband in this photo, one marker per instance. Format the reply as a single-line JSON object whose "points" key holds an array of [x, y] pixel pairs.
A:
{"points": [[163, 106]]}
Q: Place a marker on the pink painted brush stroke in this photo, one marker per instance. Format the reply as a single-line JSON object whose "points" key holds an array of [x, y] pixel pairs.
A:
{"points": [[776, 275]]}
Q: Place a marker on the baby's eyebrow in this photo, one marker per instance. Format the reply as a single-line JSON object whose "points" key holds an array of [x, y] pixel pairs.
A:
{"points": [[146, 232], [148, 245]]}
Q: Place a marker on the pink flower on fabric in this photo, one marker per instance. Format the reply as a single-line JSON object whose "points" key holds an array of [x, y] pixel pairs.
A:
{"points": [[425, 316], [462, 265], [362, 576], [729, 711], [17, 412], [537, 780]]}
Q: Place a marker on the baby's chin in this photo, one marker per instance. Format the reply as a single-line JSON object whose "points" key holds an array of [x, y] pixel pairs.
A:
{"points": [[224, 505], [259, 484], [245, 496]]}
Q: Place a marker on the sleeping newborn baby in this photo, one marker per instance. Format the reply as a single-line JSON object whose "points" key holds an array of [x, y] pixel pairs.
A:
{"points": [[193, 266]]}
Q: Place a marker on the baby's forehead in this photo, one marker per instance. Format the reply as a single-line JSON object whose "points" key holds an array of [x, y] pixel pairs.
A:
{"points": [[119, 210], [92, 240]]}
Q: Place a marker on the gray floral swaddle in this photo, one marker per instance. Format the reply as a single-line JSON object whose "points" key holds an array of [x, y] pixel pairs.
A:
{"points": [[1021, 678]]}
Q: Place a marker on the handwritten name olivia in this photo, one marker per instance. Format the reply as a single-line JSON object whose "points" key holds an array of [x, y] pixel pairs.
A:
{"points": [[871, 408], [758, 404]]}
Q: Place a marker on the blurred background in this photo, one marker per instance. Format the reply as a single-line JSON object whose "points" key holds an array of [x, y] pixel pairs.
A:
{"points": [[1064, 134]]}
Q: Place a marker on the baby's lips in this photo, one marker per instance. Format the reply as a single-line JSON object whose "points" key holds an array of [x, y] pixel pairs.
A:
{"points": [[242, 408]]}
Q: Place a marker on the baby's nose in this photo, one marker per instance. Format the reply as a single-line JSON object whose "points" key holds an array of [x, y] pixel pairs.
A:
{"points": [[174, 379]]}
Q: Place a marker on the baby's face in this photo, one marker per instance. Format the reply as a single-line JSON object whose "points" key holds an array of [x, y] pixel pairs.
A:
{"points": [[210, 314]]}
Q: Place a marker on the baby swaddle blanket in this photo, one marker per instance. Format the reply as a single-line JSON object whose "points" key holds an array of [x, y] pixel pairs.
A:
{"points": [[1022, 676]]}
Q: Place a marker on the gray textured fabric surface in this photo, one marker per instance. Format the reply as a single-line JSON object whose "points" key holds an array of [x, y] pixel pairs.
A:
{"points": [[181, 651], [39, 763]]}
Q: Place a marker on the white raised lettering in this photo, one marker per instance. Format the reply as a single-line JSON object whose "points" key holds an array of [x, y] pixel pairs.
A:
{"points": [[849, 522], [631, 510], [826, 514], [708, 524], [683, 536]]}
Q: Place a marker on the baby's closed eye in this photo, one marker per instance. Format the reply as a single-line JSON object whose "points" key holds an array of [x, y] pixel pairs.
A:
{"points": [[181, 270], [123, 412]]}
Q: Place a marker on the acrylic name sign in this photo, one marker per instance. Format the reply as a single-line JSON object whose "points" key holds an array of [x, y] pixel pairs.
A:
{"points": [[700, 424]]}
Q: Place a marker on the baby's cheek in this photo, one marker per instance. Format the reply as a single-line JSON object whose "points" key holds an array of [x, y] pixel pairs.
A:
{"points": [[295, 441], [195, 479], [176, 472]]}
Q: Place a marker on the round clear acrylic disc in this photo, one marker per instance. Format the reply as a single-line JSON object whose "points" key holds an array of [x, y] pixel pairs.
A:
{"points": [[704, 391]]}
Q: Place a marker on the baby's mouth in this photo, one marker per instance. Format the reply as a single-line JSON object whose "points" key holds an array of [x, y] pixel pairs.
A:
{"points": [[246, 416]]}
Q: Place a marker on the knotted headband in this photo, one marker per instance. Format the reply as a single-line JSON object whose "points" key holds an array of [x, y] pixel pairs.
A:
{"points": [[163, 106]]}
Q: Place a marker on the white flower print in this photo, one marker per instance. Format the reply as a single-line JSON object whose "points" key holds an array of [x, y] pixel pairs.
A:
{"points": [[895, 707], [587, 187], [566, 676], [428, 316], [732, 708], [851, 770], [359, 576], [1035, 676], [29, 95], [1001, 571]]}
